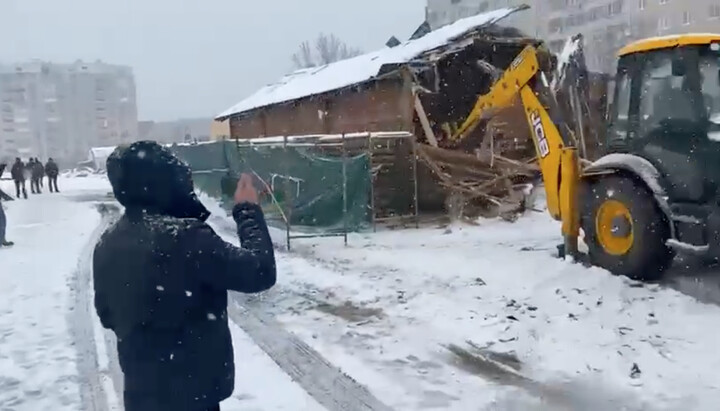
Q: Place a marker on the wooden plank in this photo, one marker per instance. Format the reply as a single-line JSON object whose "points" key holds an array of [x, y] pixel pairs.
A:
{"points": [[425, 122]]}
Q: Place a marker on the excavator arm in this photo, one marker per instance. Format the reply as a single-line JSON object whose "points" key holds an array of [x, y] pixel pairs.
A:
{"points": [[555, 148]]}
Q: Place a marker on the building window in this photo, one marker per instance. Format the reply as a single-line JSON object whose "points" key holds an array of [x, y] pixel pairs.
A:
{"points": [[556, 5], [615, 8], [686, 18], [556, 25], [454, 1], [714, 11], [556, 46], [664, 1], [642, 4], [663, 23]]}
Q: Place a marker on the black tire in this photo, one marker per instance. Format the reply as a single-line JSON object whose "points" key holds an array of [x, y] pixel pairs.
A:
{"points": [[648, 256]]}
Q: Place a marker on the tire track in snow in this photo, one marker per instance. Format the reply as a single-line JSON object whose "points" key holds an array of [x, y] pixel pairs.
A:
{"points": [[97, 391], [327, 384]]}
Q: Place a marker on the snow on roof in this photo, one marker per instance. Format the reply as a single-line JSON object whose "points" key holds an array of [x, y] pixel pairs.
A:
{"points": [[317, 80], [319, 138]]}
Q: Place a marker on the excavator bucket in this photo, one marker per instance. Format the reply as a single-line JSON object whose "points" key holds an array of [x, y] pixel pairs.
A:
{"points": [[571, 89]]}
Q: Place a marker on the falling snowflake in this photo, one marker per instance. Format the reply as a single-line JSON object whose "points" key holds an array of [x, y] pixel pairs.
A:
{"points": [[188, 293], [211, 317], [160, 288]]}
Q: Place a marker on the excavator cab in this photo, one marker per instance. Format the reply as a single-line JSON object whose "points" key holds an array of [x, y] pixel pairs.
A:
{"points": [[657, 190]]}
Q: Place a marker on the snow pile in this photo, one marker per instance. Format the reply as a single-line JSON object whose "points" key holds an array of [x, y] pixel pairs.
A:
{"points": [[316, 80]]}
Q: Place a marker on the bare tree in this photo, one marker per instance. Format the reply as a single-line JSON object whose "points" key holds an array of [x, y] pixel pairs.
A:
{"points": [[325, 49]]}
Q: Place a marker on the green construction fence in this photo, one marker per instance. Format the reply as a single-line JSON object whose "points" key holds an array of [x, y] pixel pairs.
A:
{"points": [[299, 182]]}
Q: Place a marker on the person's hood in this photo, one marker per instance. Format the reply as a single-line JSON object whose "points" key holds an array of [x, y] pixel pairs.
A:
{"points": [[147, 176]]}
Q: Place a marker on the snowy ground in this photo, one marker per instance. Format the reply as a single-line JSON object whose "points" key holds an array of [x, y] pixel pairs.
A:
{"points": [[386, 308], [455, 319], [37, 355]]}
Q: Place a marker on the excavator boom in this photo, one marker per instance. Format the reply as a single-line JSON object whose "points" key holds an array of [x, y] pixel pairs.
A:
{"points": [[556, 151]]}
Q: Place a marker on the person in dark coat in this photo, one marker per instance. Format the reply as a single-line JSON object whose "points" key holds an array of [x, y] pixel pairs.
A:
{"points": [[41, 170], [29, 166], [37, 171], [17, 172], [52, 171], [3, 220], [161, 277]]}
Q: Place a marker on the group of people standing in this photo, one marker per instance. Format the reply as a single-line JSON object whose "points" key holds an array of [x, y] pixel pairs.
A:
{"points": [[36, 172], [20, 172]]}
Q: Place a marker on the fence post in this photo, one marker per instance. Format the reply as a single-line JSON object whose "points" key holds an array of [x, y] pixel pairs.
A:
{"points": [[415, 181], [372, 182], [344, 183], [288, 205]]}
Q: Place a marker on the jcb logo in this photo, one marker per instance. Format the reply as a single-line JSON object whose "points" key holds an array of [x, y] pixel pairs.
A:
{"points": [[515, 63], [540, 137]]}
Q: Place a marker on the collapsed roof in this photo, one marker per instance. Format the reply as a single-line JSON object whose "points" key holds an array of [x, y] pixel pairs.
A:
{"points": [[363, 68]]}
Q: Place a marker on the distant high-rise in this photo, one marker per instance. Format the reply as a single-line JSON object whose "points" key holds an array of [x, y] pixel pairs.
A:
{"points": [[608, 25], [61, 110]]}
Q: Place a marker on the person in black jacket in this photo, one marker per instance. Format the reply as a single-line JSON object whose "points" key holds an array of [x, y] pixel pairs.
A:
{"points": [[161, 277], [17, 172], [37, 171], [52, 171], [29, 167], [41, 171]]}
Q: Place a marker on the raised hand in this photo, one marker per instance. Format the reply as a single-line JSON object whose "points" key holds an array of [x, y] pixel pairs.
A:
{"points": [[245, 191]]}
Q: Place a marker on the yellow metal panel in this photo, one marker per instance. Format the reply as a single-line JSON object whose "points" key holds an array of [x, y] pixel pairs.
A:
{"points": [[656, 43], [548, 145], [520, 72], [569, 202]]}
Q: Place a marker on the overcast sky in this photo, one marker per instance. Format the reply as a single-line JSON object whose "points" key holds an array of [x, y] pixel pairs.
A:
{"points": [[194, 58]]}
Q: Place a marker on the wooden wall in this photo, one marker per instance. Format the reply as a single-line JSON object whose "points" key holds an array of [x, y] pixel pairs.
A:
{"points": [[383, 105]]}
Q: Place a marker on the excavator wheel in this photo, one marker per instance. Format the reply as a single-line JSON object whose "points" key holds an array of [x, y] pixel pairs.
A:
{"points": [[625, 230]]}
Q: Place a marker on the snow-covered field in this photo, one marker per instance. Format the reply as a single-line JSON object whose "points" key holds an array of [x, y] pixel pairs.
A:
{"points": [[452, 318]]}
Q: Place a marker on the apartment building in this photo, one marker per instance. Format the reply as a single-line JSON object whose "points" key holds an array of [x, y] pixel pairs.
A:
{"points": [[610, 24], [61, 110], [607, 24], [442, 12]]}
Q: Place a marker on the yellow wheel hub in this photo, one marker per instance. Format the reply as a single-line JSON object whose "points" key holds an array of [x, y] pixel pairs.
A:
{"points": [[614, 228]]}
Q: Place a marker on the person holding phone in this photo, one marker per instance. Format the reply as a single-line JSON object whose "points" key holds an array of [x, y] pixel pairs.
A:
{"points": [[161, 276]]}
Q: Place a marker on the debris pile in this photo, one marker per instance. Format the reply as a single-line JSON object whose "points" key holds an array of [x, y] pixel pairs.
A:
{"points": [[490, 170]]}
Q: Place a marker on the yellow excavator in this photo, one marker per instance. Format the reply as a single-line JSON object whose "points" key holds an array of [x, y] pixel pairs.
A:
{"points": [[656, 191]]}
